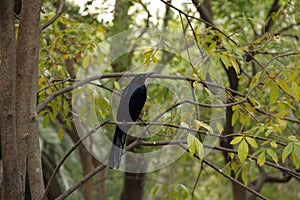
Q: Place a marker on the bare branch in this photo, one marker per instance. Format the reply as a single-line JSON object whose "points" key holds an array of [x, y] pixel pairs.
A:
{"points": [[284, 179], [116, 75], [60, 163], [56, 16]]}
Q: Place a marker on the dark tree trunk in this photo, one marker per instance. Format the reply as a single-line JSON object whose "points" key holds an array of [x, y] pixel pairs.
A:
{"points": [[11, 177]]}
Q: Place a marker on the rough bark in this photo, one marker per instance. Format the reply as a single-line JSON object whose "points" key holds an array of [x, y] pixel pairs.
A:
{"points": [[11, 177], [26, 86]]}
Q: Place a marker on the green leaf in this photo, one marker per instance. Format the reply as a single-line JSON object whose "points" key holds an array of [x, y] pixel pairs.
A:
{"points": [[201, 124], [154, 191], [243, 150], [212, 47], [200, 149], [244, 177], [234, 117], [287, 151], [273, 154], [295, 160], [283, 86], [293, 138], [261, 159], [274, 93], [236, 140], [225, 60], [45, 121], [268, 132], [117, 86], [254, 81], [296, 91], [252, 142], [235, 65], [259, 131], [297, 150], [61, 134], [193, 145]]}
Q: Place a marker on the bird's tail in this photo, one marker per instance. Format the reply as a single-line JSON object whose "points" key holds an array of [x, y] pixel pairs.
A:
{"points": [[117, 148]]}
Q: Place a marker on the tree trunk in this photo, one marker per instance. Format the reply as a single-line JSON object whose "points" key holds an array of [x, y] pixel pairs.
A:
{"points": [[86, 161], [11, 177], [26, 87], [121, 23]]}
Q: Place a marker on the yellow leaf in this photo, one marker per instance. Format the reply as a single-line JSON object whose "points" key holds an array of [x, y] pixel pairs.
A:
{"points": [[101, 29], [154, 59], [116, 84], [235, 65], [252, 142], [201, 124], [281, 122], [283, 86], [85, 61], [282, 114], [236, 140], [273, 154], [296, 91], [233, 165], [249, 108], [61, 134], [273, 144], [274, 93], [243, 150], [261, 159]]}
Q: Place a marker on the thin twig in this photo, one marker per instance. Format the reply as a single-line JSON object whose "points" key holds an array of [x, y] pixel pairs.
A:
{"points": [[55, 17], [60, 163], [226, 175], [116, 75]]}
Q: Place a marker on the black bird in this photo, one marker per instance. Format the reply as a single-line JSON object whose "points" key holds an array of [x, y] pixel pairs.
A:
{"points": [[131, 104]]}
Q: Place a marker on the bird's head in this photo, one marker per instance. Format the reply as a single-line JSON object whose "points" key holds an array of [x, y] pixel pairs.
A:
{"points": [[141, 78]]}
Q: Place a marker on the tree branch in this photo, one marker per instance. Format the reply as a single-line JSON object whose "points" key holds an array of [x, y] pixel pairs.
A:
{"points": [[116, 75], [56, 16], [60, 163], [274, 8]]}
